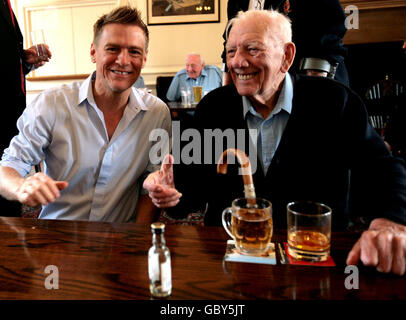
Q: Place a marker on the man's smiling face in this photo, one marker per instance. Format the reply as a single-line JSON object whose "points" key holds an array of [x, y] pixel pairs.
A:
{"points": [[254, 58], [120, 54], [194, 66]]}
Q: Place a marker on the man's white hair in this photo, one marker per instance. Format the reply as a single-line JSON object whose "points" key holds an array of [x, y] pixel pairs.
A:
{"points": [[196, 54], [274, 21]]}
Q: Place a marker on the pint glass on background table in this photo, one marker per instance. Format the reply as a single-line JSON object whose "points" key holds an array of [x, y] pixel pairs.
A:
{"points": [[186, 95], [197, 94], [309, 230]]}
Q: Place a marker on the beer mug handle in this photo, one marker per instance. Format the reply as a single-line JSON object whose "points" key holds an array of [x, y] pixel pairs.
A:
{"points": [[227, 222]]}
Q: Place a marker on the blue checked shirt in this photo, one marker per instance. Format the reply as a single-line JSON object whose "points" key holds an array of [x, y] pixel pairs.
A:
{"points": [[210, 78]]}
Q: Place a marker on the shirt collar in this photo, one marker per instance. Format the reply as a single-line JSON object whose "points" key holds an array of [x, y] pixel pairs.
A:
{"points": [[136, 101], [85, 90], [284, 101]]}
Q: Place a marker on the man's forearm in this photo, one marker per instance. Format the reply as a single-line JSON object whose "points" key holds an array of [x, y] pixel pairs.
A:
{"points": [[10, 181]]}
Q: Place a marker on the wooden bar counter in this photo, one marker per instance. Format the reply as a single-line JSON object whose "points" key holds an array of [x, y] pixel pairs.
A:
{"points": [[110, 261]]}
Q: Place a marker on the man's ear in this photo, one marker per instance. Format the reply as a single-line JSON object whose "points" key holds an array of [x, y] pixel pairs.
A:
{"points": [[289, 56], [93, 53]]}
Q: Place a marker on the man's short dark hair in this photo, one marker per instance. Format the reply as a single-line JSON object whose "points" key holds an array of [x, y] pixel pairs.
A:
{"points": [[123, 15]]}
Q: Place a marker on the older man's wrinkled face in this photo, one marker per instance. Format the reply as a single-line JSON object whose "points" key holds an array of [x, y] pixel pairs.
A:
{"points": [[194, 66], [254, 59]]}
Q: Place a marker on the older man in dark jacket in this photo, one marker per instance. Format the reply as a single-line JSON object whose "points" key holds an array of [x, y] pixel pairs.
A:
{"points": [[312, 132]]}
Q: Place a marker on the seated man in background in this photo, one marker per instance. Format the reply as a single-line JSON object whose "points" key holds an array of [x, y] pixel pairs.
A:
{"points": [[93, 136], [311, 133], [140, 84], [195, 74]]}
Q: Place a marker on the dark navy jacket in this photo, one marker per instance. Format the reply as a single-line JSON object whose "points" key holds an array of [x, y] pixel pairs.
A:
{"points": [[326, 142]]}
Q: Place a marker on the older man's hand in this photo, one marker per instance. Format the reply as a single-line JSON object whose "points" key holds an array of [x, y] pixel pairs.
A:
{"points": [[382, 246], [161, 187]]}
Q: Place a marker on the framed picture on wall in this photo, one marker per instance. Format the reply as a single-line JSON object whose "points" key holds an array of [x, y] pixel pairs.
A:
{"points": [[182, 11]]}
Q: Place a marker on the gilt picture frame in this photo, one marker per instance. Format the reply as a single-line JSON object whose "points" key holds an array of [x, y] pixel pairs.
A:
{"points": [[161, 12]]}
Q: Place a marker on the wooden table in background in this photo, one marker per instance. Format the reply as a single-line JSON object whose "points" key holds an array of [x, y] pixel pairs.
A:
{"points": [[178, 106], [109, 261]]}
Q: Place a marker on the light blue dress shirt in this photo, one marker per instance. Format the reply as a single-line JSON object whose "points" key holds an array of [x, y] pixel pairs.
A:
{"points": [[210, 78], [64, 127], [269, 131]]}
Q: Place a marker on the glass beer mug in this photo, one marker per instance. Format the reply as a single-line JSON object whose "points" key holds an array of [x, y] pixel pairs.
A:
{"points": [[251, 226]]}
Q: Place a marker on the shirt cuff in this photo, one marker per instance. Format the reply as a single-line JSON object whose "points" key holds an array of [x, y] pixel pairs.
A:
{"points": [[21, 168]]}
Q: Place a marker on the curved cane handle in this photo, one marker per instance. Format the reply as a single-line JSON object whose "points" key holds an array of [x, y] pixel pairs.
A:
{"points": [[245, 163]]}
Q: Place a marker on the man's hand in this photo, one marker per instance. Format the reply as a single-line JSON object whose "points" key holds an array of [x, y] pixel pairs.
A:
{"points": [[32, 57], [39, 189], [161, 187], [382, 246]]}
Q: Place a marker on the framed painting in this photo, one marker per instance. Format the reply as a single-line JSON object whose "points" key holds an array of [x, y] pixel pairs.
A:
{"points": [[182, 11]]}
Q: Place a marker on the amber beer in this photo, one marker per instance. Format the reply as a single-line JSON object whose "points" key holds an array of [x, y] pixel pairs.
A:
{"points": [[197, 93], [309, 231], [252, 232], [250, 226]]}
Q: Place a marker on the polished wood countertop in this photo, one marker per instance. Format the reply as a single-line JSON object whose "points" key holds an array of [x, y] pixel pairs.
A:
{"points": [[110, 261]]}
